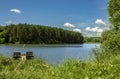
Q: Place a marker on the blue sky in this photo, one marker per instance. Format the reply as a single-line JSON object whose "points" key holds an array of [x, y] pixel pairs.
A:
{"points": [[86, 16]]}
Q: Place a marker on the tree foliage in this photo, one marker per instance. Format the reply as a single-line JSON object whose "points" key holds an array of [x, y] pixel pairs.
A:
{"points": [[111, 38], [114, 13], [38, 34], [3, 35]]}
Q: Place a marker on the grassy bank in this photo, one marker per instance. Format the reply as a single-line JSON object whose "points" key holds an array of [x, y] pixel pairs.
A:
{"points": [[70, 69]]}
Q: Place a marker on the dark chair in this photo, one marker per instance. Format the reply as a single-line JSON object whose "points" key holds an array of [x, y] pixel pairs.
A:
{"points": [[29, 55], [16, 55]]}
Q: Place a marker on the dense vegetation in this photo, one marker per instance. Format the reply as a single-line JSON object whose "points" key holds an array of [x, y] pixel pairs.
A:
{"points": [[114, 13], [71, 69], [37, 34], [92, 39], [111, 38]]}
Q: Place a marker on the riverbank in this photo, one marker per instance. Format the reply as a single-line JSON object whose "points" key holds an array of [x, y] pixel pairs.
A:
{"points": [[70, 69]]}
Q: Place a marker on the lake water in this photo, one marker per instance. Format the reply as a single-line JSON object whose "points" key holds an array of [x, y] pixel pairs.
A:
{"points": [[52, 53]]}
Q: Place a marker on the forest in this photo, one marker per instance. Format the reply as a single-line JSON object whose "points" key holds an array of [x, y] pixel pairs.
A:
{"points": [[37, 34], [92, 39]]}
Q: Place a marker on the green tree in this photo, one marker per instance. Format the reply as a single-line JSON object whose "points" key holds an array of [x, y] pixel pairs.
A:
{"points": [[2, 37], [111, 38], [114, 13]]}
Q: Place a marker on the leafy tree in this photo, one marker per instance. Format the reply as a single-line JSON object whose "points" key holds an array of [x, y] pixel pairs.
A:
{"points": [[111, 38], [114, 13], [3, 36]]}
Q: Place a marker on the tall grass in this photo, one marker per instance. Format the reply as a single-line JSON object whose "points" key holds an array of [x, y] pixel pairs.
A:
{"points": [[70, 69]]}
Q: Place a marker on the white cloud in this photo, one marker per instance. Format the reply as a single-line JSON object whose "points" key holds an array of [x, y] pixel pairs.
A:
{"points": [[88, 29], [96, 29], [16, 11], [67, 24], [77, 30], [100, 22]]}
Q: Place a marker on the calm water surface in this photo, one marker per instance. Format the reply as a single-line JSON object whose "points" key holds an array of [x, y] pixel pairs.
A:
{"points": [[52, 53]]}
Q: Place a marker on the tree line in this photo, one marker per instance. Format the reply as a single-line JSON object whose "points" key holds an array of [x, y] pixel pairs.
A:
{"points": [[37, 34], [92, 39]]}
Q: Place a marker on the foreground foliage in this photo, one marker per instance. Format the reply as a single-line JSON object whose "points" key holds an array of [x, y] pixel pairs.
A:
{"points": [[71, 69]]}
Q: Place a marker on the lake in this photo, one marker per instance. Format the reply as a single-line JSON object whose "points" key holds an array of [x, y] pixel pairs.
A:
{"points": [[53, 54]]}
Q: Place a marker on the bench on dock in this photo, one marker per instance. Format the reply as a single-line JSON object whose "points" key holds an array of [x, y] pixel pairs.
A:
{"points": [[29, 55], [16, 55]]}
